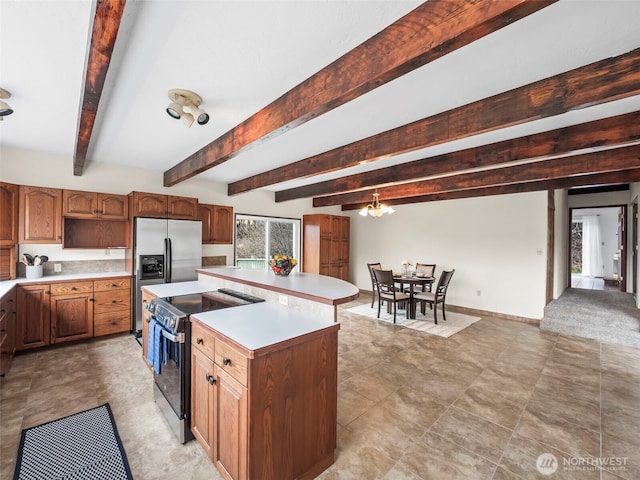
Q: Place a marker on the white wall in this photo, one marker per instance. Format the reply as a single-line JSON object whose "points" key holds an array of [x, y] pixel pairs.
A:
{"points": [[496, 244]]}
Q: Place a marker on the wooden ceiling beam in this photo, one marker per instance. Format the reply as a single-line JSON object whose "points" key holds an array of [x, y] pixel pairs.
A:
{"points": [[608, 132], [613, 160], [619, 177], [594, 84], [106, 23], [433, 29]]}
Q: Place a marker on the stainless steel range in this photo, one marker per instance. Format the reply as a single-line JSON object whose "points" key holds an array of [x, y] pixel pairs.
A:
{"points": [[170, 349]]}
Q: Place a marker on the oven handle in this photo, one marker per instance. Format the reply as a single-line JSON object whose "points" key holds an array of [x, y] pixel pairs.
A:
{"points": [[179, 338]]}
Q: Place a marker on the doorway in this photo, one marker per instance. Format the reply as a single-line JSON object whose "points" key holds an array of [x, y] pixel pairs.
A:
{"points": [[597, 248]]}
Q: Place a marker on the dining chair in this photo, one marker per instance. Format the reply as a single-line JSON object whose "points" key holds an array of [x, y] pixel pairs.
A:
{"points": [[436, 297], [425, 270], [388, 292], [374, 284]]}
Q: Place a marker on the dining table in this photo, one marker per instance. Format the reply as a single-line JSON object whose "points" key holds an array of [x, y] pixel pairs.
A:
{"points": [[412, 280]]}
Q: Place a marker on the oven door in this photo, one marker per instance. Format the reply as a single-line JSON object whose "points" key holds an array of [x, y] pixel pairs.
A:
{"points": [[172, 390]]}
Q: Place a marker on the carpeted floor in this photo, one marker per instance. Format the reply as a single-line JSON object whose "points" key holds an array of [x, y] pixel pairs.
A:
{"points": [[608, 316], [454, 323]]}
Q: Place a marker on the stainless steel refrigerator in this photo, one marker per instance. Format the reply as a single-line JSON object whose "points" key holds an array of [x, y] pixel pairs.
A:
{"points": [[165, 251]]}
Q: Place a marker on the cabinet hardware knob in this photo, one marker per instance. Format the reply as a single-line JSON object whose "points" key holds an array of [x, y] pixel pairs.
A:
{"points": [[48, 292], [114, 301], [92, 300], [74, 288], [199, 341], [148, 320], [115, 285], [226, 361], [1, 310], [3, 329], [210, 379]]}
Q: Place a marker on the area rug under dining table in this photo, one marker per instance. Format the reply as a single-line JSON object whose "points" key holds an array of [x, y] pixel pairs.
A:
{"points": [[454, 323], [82, 446]]}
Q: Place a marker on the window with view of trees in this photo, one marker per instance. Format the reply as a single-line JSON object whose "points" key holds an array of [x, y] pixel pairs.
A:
{"points": [[260, 238]]}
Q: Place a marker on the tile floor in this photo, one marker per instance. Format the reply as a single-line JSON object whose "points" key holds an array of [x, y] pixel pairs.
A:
{"points": [[591, 283], [483, 404]]}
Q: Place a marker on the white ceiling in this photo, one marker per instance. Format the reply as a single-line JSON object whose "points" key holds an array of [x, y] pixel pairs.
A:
{"points": [[241, 55]]}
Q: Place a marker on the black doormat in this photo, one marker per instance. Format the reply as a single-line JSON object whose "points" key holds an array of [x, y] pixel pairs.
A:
{"points": [[81, 446]]}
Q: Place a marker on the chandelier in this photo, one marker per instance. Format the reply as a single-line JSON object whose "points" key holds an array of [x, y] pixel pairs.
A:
{"points": [[376, 209]]}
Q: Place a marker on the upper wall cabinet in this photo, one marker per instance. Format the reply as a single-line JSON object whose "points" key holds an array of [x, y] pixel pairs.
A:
{"points": [[9, 201], [40, 215], [106, 206], [163, 206], [217, 223]]}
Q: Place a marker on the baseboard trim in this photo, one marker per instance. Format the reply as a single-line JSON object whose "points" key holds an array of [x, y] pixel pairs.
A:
{"points": [[480, 313]]}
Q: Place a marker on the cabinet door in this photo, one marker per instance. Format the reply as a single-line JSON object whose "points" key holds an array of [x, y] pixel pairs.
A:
{"points": [[202, 400], [8, 213], [7, 330], [33, 316], [230, 426], [113, 207], [40, 215], [149, 205], [205, 215], [182, 208], [79, 204], [222, 224], [71, 317]]}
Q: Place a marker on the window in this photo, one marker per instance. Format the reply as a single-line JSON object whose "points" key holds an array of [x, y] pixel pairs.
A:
{"points": [[259, 238]]}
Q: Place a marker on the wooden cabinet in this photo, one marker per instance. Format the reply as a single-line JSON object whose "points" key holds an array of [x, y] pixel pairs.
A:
{"points": [[163, 206], [40, 218], [112, 306], [146, 318], [9, 201], [219, 402], [34, 327], [325, 245], [95, 233], [71, 311], [290, 392], [217, 223], [8, 308], [78, 204]]}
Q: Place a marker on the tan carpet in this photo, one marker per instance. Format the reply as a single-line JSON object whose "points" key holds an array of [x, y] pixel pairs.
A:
{"points": [[445, 328]]}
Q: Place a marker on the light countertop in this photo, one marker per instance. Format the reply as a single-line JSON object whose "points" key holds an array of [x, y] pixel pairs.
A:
{"points": [[319, 288], [181, 288], [260, 325], [7, 285]]}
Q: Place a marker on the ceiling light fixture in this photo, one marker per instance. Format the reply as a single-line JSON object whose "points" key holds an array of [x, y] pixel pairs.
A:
{"points": [[5, 109], [376, 209], [186, 99]]}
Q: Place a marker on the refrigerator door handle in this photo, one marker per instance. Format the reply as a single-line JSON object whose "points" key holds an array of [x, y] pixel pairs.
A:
{"points": [[168, 259]]}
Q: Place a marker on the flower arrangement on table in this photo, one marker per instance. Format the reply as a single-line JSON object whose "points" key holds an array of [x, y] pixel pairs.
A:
{"points": [[282, 264], [406, 264]]}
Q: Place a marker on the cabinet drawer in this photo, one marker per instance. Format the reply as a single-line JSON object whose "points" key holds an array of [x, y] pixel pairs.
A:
{"points": [[231, 361], [71, 287], [108, 323], [202, 339], [111, 284], [111, 301]]}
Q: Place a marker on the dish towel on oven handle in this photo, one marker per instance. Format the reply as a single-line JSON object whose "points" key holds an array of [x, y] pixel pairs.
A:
{"points": [[154, 347]]}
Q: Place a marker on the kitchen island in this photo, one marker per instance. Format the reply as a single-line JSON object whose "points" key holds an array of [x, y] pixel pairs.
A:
{"points": [[264, 375], [317, 295]]}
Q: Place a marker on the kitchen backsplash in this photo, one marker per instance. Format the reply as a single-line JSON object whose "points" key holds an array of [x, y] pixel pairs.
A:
{"points": [[69, 267]]}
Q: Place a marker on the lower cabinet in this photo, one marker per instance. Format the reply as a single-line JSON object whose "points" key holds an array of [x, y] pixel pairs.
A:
{"points": [[112, 306], [34, 318], [72, 310], [71, 307], [290, 393], [7, 330]]}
